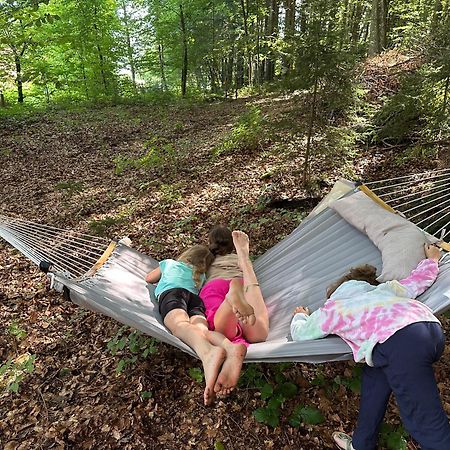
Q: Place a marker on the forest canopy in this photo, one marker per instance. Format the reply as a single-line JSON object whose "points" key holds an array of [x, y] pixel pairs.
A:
{"points": [[52, 50]]}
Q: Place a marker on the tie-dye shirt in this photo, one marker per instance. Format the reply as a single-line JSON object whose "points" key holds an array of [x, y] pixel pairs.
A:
{"points": [[364, 315]]}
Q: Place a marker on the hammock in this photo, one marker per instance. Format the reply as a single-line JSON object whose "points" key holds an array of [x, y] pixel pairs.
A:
{"points": [[109, 277]]}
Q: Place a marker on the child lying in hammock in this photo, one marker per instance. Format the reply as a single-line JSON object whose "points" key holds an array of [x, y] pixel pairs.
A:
{"points": [[399, 338], [183, 312]]}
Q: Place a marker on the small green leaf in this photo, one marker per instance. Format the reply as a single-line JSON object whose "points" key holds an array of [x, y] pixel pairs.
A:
{"points": [[120, 366], [219, 446], [312, 415], [287, 390], [196, 374], [146, 394], [306, 414], [14, 387], [266, 391], [268, 416]]}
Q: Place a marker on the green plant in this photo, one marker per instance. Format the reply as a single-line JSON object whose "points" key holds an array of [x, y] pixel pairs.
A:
{"points": [[196, 374], [5, 152], [155, 156], [170, 193], [131, 345], [305, 414], [13, 372], [101, 226], [393, 438], [246, 134], [16, 330], [70, 187]]}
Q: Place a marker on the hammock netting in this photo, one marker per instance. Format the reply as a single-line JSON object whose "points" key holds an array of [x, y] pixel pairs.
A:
{"points": [[109, 278]]}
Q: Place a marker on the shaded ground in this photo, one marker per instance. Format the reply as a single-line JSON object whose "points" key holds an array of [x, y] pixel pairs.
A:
{"points": [[63, 169]]}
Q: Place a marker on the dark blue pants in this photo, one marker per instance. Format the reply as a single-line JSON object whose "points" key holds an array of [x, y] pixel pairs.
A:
{"points": [[403, 365]]}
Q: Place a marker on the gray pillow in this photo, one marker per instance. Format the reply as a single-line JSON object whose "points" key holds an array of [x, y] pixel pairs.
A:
{"points": [[399, 241]]}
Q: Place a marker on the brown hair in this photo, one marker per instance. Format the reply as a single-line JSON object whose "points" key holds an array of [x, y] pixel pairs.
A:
{"points": [[220, 240], [365, 273], [200, 257]]}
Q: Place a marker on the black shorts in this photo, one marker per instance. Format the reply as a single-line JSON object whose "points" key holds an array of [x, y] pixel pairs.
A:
{"points": [[179, 298]]}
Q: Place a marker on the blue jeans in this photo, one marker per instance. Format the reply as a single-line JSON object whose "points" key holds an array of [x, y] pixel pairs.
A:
{"points": [[403, 365]]}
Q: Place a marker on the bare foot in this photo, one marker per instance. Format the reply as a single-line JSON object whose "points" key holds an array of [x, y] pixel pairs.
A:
{"points": [[241, 244], [211, 366], [231, 369], [243, 311]]}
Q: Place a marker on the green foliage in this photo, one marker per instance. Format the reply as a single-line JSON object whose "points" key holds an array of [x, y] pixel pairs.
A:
{"points": [[13, 372], [70, 187], [393, 438], [352, 382], [145, 395], [16, 330], [5, 152], [219, 446], [415, 111], [306, 414], [131, 345], [100, 227], [245, 135], [196, 374], [155, 156]]}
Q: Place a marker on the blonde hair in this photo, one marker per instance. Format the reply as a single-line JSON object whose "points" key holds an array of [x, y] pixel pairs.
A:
{"points": [[200, 258]]}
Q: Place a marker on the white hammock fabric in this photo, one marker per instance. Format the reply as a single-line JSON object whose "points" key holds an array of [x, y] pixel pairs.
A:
{"points": [[295, 271]]}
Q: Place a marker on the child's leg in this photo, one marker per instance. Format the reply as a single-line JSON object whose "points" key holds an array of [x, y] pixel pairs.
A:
{"points": [[193, 331], [412, 351], [231, 369], [375, 393], [260, 329]]}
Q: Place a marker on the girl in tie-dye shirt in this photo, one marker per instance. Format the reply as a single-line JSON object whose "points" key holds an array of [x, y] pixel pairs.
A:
{"points": [[399, 338]]}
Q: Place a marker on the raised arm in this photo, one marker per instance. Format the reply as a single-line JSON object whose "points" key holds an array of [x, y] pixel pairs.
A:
{"points": [[153, 276], [425, 274]]}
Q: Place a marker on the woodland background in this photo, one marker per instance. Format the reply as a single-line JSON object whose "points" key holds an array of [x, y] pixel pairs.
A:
{"points": [[157, 119]]}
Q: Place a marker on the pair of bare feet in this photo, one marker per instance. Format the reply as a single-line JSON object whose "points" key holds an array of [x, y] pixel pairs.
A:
{"points": [[223, 367]]}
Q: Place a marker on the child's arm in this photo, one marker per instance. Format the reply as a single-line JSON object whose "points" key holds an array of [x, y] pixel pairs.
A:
{"points": [[304, 326], [424, 275], [153, 276]]}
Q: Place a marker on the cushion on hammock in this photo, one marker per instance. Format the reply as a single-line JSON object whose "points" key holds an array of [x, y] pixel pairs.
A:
{"points": [[399, 241]]}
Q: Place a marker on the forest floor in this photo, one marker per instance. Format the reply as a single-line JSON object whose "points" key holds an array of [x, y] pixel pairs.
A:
{"points": [[84, 170]]}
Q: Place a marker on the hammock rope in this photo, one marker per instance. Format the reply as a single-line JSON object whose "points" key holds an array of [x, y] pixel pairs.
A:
{"points": [[427, 195]]}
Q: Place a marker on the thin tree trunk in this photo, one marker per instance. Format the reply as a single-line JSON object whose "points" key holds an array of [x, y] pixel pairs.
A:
{"points": [[184, 68], [129, 47], [19, 78], [2, 100], [161, 67], [444, 104], [310, 130]]}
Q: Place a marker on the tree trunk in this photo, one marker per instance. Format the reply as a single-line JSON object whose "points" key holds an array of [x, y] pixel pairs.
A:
{"points": [[289, 30], [2, 100], [184, 68], [161, 67], [129, 47], [378, 26], [271, 34], [444, 104], [19, 78], [310, 130]]}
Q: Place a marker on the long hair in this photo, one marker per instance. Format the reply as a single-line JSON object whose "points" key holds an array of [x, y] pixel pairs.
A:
{"points": [[220, 240], [200, 258], [365, 273]]}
